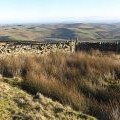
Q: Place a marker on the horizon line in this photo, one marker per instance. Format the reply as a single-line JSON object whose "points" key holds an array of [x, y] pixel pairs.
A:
{"points": [[88, 19], [69, 22]]}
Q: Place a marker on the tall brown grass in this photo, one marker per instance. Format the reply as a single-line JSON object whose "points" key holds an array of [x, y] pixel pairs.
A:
{"points": [[87, 82]]}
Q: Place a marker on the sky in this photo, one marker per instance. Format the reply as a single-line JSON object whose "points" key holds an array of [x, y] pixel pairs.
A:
{"points": [[47, 11]]}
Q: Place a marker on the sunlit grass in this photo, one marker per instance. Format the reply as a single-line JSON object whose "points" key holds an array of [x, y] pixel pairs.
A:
{"points": [[87, 82]]}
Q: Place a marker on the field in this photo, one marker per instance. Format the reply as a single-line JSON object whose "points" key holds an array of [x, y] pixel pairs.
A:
{"points": [[42, 32], [87, 82]]}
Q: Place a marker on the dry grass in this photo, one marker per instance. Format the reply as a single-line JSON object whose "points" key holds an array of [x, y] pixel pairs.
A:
{"points": [[87, 82]]}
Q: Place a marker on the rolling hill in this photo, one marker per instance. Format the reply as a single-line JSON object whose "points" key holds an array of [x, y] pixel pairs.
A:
{"points": [[44, 32]]}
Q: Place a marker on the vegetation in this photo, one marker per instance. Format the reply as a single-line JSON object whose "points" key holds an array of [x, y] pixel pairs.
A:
{"points": [[16, 104], [88, 82]]}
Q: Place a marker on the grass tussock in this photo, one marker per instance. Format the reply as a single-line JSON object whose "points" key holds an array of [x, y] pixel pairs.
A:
{"points": [[87, 82]]}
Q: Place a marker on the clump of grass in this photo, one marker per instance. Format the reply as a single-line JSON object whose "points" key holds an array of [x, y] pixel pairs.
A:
{"points": [[87, 82]]}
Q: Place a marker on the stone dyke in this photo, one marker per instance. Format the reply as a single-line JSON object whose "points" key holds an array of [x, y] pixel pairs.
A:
{"points": [[7, 47], [101, 46]]}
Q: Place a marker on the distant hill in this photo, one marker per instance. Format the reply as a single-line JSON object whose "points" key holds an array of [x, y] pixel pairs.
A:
{"points": [[84, 32]]}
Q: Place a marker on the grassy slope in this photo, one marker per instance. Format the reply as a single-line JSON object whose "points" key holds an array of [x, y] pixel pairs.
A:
{"points": [[18, 105], [87, 82]]}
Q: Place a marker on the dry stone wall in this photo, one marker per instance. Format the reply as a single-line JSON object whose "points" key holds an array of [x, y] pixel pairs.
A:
{"points": [[101, 46], [36, 47], [8, 47]]}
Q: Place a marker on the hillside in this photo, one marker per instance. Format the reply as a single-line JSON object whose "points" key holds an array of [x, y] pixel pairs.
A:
{"points": [[84, 81], [84, 32], [16, 104]]}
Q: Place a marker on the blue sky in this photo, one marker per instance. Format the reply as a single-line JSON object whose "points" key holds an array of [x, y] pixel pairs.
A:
{"points": [[28, 11]]}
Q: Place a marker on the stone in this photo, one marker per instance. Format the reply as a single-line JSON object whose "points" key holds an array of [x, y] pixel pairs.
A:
{"points": [[37, 96]]}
